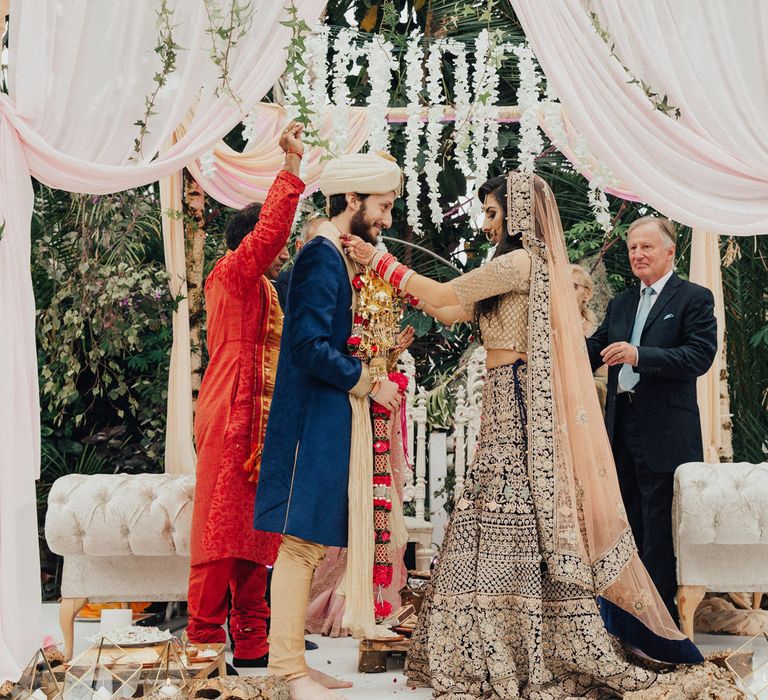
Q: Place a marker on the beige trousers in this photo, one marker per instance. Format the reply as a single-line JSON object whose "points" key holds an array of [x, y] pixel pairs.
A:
{"points": [[296, 562]]}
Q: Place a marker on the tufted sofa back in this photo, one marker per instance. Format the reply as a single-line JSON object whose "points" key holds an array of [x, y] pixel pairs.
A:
{"points": [[114, 515], [721, 503], [720, 527]]}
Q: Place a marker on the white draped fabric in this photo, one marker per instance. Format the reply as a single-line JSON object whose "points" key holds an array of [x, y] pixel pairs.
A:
{"points": [[706, 169], [706, 271], [180, 457], [80, 73]]}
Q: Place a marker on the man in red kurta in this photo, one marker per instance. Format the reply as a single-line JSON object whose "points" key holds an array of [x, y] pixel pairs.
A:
{"points": [[244, 326]]}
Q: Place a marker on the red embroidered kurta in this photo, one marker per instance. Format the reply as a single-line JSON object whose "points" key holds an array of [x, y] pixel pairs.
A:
{"points": [[243, 333]]}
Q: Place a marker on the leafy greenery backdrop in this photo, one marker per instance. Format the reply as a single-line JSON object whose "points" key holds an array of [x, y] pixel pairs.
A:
{"points": [[104, 331]]}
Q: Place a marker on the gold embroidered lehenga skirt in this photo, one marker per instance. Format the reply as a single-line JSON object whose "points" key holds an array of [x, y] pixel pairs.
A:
{"points": [[494, 624]]}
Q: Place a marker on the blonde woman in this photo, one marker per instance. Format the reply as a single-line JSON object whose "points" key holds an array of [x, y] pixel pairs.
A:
{"points": [[584, 287], [582, 283]]}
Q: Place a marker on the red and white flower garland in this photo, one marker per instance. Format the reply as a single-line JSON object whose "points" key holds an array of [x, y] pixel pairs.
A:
{"points": [[359, 345]]}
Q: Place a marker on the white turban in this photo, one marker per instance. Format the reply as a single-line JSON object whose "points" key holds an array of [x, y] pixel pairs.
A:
{"points": [[366, 173]]}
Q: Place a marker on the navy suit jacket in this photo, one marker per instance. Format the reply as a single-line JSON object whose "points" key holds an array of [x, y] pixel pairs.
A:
{"points": [[678, 344], [281, 286], [302, 487]]}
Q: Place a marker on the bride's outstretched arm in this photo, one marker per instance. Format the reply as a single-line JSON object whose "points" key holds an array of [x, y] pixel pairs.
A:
{"points": [[505, 273], [447, 315], [436, 294]]}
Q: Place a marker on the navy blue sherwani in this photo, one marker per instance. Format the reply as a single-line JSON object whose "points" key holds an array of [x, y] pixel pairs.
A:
{"points": [[305, 465]]}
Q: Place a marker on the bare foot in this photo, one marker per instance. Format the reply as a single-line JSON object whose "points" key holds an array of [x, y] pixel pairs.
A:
{"points": [[305, 688], [328, 681]]}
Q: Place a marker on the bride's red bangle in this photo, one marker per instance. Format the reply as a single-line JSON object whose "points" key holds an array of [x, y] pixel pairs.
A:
{"points": [[300, 154]]}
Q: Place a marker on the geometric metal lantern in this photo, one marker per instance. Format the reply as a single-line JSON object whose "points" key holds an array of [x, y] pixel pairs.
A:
{"points": [[38, 682], [168, 677], [104, 671], [749, 663]]}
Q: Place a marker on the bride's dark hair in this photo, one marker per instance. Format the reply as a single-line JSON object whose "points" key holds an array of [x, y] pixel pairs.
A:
{"points": [[497, 186]]}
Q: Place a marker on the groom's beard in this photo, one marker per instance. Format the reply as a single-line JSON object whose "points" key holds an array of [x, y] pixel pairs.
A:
{"points": [[360, 225]]}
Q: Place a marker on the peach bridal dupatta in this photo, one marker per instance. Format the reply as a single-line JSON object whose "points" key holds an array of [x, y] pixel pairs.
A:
{"points": [[583, 529]]}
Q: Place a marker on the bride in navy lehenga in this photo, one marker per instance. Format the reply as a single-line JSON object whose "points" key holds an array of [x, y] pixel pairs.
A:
{"points": [[539, 591]]}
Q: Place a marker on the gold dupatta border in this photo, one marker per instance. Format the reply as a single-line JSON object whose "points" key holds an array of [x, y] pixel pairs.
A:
{"points": [[551, 485]]}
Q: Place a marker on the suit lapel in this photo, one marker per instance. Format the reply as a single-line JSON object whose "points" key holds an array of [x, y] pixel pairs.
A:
{"points": [[670, 289]]}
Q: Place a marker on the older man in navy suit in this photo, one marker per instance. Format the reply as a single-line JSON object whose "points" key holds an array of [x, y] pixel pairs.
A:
{"points": [[656, 340]]}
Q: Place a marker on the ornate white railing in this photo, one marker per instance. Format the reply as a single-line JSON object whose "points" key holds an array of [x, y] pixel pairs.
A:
{"points": [[456, 450], [415, 490]]}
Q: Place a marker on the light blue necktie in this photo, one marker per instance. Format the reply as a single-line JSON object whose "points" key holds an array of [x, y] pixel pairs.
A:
{"points": [[628, 378]]}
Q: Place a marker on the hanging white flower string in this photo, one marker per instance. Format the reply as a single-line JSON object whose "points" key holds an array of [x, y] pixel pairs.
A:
{"points": [[599, 203], [380, 66], [249, 127], [414, 75], [485, 125], [581, 155], [482, 46], [549, 92], [582, 158], [462, 135], [208, 164], [317, 47], [531, 142], [434, 129], [345, 52]]}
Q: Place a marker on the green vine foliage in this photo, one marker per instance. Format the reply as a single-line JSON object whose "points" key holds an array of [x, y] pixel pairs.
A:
{"points": [[225, 30], [103, 325], [104, 339], [659, 102], [296, 68], [167, 49], [745, 282]]}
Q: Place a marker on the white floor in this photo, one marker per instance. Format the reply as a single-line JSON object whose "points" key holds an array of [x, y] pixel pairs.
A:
{"points": [[339, 658]]}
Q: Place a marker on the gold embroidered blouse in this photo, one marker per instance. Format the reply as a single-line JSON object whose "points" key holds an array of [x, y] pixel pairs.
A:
{"points": [[510, 275]]}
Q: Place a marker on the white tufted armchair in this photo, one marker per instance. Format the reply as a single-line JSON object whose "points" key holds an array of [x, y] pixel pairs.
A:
{"points": [[720, 529], [123, 537]]}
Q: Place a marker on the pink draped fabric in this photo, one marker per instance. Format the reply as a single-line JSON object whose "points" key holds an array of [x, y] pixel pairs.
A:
{"points": [[705, 169], [242, 178], [555, 124], [705, 269], [78, 81]]}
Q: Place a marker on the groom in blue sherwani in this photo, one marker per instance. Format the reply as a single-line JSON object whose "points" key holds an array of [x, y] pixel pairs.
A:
{"points": [[303, 480], [656, 340]]}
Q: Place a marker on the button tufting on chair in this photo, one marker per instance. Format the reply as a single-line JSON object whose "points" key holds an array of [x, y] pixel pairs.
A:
{"points": [[721, 543], [123, 537]]}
